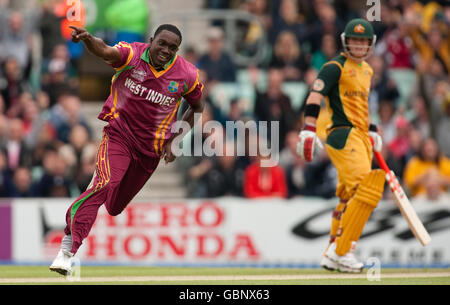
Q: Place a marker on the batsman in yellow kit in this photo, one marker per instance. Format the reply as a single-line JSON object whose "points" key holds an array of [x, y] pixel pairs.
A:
{"points": [[344, 82]]}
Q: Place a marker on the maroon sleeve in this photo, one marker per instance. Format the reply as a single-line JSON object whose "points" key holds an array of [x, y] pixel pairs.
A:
{"points": [[126, 54], [194, 92], [195, 95]]}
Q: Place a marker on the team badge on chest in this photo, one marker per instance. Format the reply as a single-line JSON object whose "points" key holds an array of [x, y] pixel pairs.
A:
{"points": [[173, 86], [138, 75]]}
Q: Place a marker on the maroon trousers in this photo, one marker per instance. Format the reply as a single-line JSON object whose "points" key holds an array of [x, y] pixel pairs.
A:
{"points": [[118, 177]]}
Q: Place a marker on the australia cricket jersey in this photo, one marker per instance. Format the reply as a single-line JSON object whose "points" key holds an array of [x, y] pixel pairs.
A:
{"points": [[143, 102], [346, 84]]}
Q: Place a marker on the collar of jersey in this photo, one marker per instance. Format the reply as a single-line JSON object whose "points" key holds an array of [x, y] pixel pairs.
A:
{"points": [[346, 56], [145, 57]]}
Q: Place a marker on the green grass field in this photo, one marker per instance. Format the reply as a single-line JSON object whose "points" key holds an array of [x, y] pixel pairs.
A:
{"points": [[220, 276]]}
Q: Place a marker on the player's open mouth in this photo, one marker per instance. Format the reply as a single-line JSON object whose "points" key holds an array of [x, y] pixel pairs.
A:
{"points": [[163, 58]]}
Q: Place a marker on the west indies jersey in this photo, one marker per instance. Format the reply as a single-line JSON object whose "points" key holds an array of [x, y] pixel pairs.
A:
{"points": [[143, 102]]}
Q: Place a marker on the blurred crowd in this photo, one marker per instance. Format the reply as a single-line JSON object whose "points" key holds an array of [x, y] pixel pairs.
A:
{"points": [[47, 146], [412, 52]]}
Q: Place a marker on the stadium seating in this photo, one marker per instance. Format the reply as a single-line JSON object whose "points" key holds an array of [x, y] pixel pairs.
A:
{"points": [[223, 93]]}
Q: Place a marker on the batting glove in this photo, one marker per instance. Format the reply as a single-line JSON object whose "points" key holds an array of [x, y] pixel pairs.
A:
{"points": [[308, 143], [377, 141]]}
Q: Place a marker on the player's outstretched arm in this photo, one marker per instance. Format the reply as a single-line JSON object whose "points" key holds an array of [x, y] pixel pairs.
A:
{"points": [[95, 45]]}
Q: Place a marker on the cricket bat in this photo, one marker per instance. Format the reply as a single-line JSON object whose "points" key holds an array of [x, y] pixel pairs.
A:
{"points": [[403, 203]]}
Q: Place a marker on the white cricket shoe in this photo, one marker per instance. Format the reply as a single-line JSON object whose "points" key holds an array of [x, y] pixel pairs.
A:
{"points": [[327, 263], [346, 263], [62, 263]]}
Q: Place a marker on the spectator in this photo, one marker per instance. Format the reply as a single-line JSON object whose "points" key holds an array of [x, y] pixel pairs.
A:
{"points": [[260, 9], [386, 114], [288, 19], [45, 139], [59, 60], [289, 153], [236, 111], [58, 75], [294, 166], [21, 184], [50, 29], [34, 121], [78, 140], [327, 23], [421, 121], [328, 50], [30, 115], [274, 105], [54, 182], [212, 107], [429, 172], [321, 177], [399, 146], [264, 182], [16, 41], [66, 114], [87, 168], [433, 47], [387, 22], [382, 86], [415, 140], [217, 63], [397, 47], [251, 32], [43, 101], [225, 177], [191, 55], [196, 177], [441, 116], [14, 86], [287, 57], [198, 166], [17, 153]]}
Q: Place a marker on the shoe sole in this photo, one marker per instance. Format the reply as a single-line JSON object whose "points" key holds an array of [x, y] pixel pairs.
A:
{"points": [[60, 270], [343, 269], [328, 264]]}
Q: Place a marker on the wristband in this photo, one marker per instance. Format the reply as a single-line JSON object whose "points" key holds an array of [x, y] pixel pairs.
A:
{"points": [[310, 127], [312, 110]]}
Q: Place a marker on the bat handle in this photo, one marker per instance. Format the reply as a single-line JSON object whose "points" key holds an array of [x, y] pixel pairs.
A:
{"points": [[381, 162]]}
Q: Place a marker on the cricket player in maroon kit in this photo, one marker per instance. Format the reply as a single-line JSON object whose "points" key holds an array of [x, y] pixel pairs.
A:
{"points": [[146, 92]]}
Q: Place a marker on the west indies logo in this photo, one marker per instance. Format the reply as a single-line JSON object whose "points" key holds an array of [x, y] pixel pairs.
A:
{"points": [[139, 75], [173, 86]]}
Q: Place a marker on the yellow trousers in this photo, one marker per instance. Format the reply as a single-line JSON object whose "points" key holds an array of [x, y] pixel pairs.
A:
{"points": [[353, 161], [359, 188]]}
